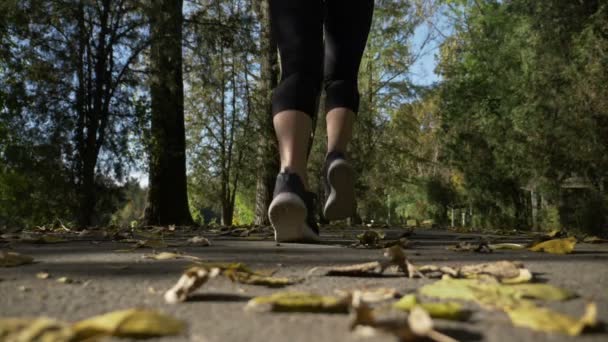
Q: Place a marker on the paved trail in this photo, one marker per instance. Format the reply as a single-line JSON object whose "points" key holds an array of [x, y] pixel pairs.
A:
{"points": [[109, 280]]}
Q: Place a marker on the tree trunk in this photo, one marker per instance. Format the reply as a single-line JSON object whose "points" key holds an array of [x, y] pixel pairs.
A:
{"points": [[167, 193], [268, 156]]}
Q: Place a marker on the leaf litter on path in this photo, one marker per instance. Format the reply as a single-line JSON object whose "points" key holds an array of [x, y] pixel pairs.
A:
{"points": [[516, 301]]}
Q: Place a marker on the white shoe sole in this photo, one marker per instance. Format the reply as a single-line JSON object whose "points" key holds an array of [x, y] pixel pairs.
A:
{"points": [[287, 214], [341, 200]]}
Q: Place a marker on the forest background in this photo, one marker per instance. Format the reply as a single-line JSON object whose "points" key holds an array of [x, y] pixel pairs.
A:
{"points": [[135, 112]]}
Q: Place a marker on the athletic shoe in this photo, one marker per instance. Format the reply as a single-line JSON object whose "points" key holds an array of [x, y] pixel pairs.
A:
{"points": [[339, 187], [292, 210]]}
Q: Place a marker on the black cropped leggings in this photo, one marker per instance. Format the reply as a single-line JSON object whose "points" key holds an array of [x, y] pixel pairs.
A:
{"points": [[307, 62]]}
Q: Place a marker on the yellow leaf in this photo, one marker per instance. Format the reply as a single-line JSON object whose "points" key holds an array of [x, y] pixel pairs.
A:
{"points": [[132, 323], [543, 319], [555, 246], [490, 293], [301, 302], [11, 259], [39, 329], [444, 310]]}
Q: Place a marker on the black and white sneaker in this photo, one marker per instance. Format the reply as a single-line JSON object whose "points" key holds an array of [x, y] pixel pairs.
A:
{"points": [[339, 187], [292, 210]]}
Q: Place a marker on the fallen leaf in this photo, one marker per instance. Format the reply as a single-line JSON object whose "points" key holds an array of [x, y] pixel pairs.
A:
{"points": [[65, 280], [11, 259], [394, 257], [594, 239], [189, 282], [256, 279], [38, 329], [131, 323], [444, 310], [555, 246], [198, 241], [505, 271], [490, 293], [368, 268], [512, 246], [163, 256], [546, 320], [301, 302], [42, 275]]}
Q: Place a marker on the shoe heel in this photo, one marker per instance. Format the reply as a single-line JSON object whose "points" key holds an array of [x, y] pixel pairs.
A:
{"points": [[287, 214], [341, 200]]}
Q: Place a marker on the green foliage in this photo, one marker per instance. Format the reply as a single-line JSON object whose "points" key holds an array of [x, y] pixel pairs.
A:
{"points": [[516, 114]]}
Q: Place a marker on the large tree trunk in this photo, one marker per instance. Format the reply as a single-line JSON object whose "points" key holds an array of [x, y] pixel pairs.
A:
{"points": [[167, 193], [268, 156]]}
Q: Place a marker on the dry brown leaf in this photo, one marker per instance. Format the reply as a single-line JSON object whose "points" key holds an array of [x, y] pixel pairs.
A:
{"points": [[505, 271], [394, 257], [555, 246], [12, 259], [257, 279], [189, 282]]}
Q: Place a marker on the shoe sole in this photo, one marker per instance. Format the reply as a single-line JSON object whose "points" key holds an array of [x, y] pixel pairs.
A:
{"points": [[341, 200], [287, 214]]}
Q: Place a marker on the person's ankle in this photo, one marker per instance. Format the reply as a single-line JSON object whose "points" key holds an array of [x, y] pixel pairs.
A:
{"points": [[299, 173]]}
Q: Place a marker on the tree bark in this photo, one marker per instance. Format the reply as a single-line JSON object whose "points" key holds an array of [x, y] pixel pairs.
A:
{"points": [[268, 156], [167, 193]]}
